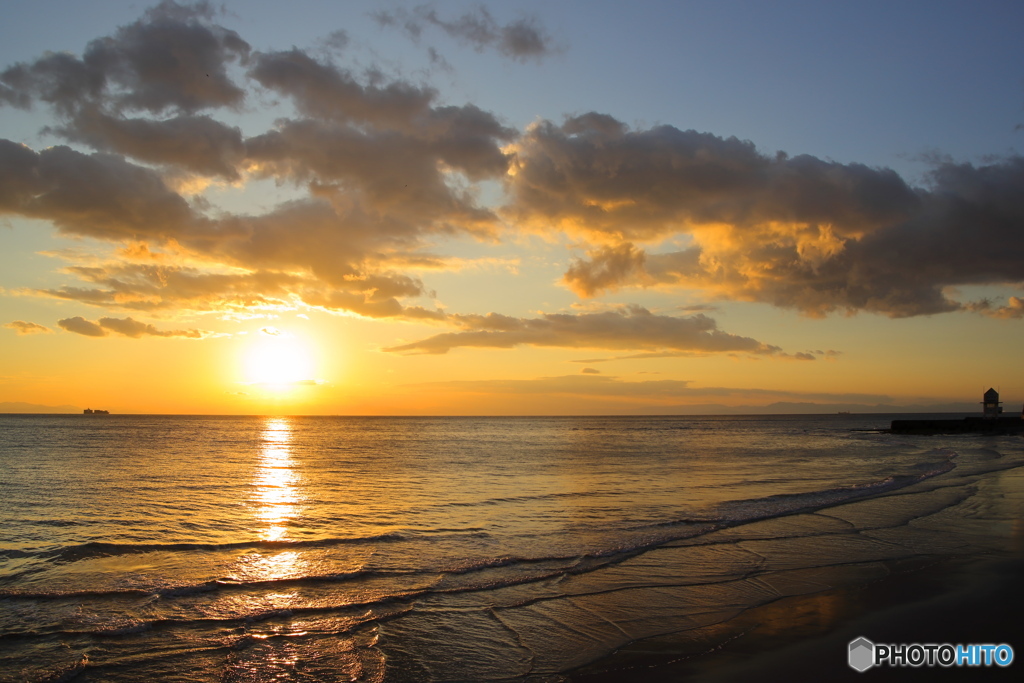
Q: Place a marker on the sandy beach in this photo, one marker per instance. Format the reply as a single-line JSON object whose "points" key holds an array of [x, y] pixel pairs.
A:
{"points": [[939, 597]]}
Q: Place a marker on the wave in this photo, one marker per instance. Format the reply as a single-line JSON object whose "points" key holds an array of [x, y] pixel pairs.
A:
{"points": [[356, 614], [531, 498], [737, 512], [520, 567], [73, 553], [542, 567], [188, 589]]}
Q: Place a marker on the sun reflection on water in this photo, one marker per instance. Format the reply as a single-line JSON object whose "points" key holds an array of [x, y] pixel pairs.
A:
{"points": [[276, 503], [276, 492]]}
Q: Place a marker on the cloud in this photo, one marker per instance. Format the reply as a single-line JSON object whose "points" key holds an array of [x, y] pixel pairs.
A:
{"points": [[383, 171], [774, 352], [1014, 308], [133, 328], [632, 327], [590, 371], [321, 90], [80, 325], [653, 391], [339, 253], [127, 327], [22, 327], [795, 232], [595, 176], [152, 287], [191, 143], [93, 195], [158, 287], [605, 268], [397, 179], [522, 39], [387, 170], [172, 59]]}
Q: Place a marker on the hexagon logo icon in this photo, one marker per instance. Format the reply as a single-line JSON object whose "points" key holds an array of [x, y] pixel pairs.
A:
{"points": [[862, 654]]}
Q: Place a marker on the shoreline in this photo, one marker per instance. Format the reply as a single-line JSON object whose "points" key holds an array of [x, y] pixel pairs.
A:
{"points": [[928, 600], [973, 597]]}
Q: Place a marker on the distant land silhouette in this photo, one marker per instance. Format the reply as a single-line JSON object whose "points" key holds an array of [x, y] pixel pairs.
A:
{"points": [[807, 408], [21, 407], [778, 408]]}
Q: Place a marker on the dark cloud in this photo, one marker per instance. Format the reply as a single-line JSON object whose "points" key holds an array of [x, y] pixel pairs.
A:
{"points": [[794, 232], [387, 169], [170, 64], [595, 176], [605, 268], [196, 144], [127, 327], [396, 177], [22, 327], [343, 249], [94, 195], [522, 39], [324, 91], [172, 59], [80, 325], [397, 128], [632, 327]]}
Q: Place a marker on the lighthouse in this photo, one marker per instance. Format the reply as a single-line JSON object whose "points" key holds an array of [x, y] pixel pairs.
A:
{"points": [[990, 409]]}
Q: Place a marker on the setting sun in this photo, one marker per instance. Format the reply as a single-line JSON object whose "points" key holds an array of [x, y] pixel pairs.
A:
{"points": [[436, 340], [278, 359]]}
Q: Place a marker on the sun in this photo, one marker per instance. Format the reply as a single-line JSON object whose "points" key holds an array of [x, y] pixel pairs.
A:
{"points": [[278, 359]]}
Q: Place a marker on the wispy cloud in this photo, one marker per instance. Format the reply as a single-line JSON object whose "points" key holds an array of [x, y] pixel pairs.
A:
{"points": [[522, 39], [1014, 308], [632, 327], [22, 327], [655, 391], [127, 327]]}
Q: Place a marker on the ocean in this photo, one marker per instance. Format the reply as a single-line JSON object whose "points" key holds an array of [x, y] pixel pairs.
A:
{"points": [[181, 548]]}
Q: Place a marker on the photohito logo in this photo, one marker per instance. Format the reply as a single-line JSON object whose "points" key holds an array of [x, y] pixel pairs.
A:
{"points": [[863, 654]]}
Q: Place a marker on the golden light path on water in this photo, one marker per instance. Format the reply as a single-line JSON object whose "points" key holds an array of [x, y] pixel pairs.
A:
{"points": [[276, 498], [275, 481]]}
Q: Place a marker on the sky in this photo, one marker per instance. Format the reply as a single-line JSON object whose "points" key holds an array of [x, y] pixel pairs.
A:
{"points": [[517, 208]]}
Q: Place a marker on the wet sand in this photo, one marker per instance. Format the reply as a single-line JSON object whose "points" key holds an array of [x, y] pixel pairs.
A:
{"points": [[975, 597]]}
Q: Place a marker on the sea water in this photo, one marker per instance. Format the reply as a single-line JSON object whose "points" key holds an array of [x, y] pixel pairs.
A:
{"points": [[180, 548]]}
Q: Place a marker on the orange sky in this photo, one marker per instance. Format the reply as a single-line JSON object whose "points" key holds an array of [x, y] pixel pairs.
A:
{"points": [[405, 216]]}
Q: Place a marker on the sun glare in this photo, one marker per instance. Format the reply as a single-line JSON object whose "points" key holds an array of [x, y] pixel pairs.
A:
{"points": [[279, 360]]}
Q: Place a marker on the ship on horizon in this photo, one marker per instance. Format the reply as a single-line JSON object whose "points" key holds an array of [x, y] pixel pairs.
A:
{"points": [[90, 411]]}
